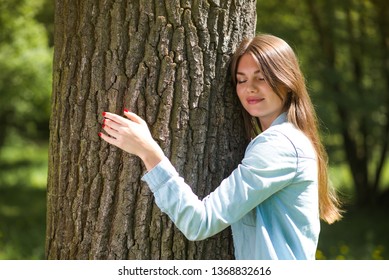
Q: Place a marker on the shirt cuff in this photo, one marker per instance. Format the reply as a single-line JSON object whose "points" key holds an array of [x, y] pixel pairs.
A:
{"points": [[159, 174]]}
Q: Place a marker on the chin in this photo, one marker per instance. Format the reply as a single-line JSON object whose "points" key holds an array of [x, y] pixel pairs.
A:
{"points": [[254, 114]]}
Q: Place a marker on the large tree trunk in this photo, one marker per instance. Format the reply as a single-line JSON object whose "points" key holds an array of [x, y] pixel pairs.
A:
{"points": [[168, 62]]}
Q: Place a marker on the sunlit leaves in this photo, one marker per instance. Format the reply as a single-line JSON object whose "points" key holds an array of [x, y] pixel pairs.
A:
{"points": [[25, 63]]}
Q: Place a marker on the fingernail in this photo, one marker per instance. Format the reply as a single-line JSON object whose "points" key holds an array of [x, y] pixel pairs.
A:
{"points": [[100, 134], [103, 113], [126, 110], [103, 126]]}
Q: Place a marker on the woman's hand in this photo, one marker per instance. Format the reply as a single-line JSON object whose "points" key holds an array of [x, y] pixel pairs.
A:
{"points": [[133, 136]]}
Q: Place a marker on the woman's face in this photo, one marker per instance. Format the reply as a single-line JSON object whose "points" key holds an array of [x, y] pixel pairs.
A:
{"points": [[255, 94]]}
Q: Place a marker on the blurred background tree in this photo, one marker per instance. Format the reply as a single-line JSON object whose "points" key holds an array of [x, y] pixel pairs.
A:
{"points": [[343, 48]]}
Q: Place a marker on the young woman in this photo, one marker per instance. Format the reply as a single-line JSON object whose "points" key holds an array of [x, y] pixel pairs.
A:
{"points": [[274, 199]]}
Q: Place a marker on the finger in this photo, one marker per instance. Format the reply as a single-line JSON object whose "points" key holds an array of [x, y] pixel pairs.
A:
{"points": [[116, 118], [112, 124], [107, 138], [111, 132], [134, 117]]}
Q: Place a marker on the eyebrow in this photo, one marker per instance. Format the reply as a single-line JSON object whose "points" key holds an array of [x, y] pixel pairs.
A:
{"points": [[240, 73]]}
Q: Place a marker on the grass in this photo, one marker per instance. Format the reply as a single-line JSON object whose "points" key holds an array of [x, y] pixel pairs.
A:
{"points": [[361, 235]]}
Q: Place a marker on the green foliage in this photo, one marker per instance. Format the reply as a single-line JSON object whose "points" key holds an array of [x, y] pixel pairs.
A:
{"points": [[26, 65], [25, 89], [23, 173], [22, 228]]}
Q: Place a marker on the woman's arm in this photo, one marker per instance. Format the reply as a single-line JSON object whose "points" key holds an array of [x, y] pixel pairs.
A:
{"points": [[263, 172]]}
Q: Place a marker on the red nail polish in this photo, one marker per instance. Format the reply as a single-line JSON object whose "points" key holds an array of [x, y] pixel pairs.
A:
{"points": [[126, 110], [103, 126], [100, 134], [103, 113]]}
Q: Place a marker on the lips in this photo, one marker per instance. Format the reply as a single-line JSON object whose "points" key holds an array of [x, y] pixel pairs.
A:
{"points": [[254, 100]]}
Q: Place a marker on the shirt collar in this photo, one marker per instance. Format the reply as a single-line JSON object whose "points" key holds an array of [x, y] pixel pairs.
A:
{"points": [[280, 119]]}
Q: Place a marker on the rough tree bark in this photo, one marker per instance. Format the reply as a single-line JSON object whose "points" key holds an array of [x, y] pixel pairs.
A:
{"points": [[168, 62]]}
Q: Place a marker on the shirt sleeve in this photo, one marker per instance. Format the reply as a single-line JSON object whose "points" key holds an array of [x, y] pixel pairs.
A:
{"points": [[270, 164]]}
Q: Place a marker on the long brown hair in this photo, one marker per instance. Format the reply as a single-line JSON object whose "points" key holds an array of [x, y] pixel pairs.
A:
{"points": [[282, 72]]}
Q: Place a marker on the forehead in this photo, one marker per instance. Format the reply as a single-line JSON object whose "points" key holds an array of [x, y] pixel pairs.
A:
{"points": [[248, 62]]}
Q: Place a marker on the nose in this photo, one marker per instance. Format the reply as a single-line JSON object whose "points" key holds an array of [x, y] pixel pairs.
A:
{"points": [[252, 86]]}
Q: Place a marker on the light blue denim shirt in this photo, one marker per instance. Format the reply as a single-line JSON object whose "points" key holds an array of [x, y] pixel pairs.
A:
{"points": [[270, 200]]}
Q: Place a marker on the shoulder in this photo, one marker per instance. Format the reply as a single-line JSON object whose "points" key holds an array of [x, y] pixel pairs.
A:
{"points": [[279, 143], [276, 137], [272, 157], [271, 147], [300, 142]]}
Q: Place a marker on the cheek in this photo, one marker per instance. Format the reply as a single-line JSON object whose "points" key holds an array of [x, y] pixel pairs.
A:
{"points": [[278, 101]]}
